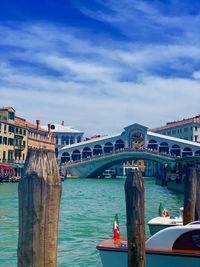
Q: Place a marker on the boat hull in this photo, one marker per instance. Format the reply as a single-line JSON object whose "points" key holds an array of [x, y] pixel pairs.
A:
{"points": [[120, 259]]}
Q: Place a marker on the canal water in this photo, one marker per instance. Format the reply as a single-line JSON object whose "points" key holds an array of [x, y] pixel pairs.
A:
{"points": [[87, 213]]}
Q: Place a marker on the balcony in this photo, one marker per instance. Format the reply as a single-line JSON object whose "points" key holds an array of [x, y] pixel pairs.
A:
{"points": [[19, 147]]}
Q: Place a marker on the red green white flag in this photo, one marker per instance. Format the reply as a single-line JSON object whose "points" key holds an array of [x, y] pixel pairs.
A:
{"points": [[116, 232]]}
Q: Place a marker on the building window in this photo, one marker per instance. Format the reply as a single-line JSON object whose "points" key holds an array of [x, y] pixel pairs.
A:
{"points": [[0, 139], [5, 140], [5, 127], [174, 132], [24, 132], [11, 115], [169, 132], [10, 141], [195, 128], [195, 138], [11, 129], [185, 129], [4, 155], [20, 131]]}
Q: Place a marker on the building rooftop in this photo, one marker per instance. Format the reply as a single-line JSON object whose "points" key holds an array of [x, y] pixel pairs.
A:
{"points": [[23, 123], [6, 108], [60, 128], [172, 124]]}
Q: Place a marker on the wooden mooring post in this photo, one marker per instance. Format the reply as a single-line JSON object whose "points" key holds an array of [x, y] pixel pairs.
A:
{"points": [[134, 194], [190, 185], [39, 205]]}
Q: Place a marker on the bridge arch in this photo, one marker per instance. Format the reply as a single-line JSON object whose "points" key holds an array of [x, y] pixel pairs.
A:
{"points": [[96, 165], [153, 144], [119, 144], [87, 152], [187, 151], [164, 147], [97, 150], [65, 157], [76, 155], [175, 150], [108, 147]]}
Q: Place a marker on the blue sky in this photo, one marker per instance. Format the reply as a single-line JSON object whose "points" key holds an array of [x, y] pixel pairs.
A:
{"points": [[100, 65]]}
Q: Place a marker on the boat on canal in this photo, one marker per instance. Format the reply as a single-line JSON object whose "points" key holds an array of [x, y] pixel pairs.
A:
{"points": [[172, 246], [161, 222]]}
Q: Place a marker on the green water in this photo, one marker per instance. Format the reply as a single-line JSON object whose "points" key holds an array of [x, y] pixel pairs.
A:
{"points": [[87, 212]]}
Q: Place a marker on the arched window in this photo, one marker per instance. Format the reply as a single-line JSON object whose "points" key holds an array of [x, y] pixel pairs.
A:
{"points": [[76, 155], [65, 157], [119, 144], [67, 139], [63, 140], [176, 151], [71, 140], [152, 145], [187, 152], [197, 153], [97, 150], [86, 152], [108, 147], [164, 148], [78, 139]]}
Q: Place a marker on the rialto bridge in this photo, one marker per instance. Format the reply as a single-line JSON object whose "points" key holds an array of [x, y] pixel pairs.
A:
{"points": [[135, 142]]}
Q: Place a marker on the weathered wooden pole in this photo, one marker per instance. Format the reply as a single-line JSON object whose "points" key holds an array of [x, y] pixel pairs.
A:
{"points": [[197, 206], [190, 184], [39, 205], [134, 193]]}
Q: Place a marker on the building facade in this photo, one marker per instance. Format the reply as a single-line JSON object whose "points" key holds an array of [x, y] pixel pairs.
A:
{"points": [[17, 136], [188, 129], [64, 135]]}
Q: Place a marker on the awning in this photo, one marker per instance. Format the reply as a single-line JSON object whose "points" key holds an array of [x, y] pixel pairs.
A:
{"points": [[6, 167], [19, 166]]}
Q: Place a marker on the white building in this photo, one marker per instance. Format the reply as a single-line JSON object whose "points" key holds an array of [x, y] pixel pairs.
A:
{"points": [[65, 135]]}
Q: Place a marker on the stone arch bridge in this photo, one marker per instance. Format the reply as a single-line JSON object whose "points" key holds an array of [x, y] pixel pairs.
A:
{"points": [[135, 142]]}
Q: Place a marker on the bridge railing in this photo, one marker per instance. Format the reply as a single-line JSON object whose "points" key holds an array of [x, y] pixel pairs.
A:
{"points": [[103, 155]]}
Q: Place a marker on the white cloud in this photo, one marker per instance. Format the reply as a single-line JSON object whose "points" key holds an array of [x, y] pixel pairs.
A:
{"points": [[94, 86]]}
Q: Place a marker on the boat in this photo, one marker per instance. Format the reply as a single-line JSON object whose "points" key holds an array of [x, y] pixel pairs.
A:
{"points": [[158, 223], [109, 174], [172, 246]]}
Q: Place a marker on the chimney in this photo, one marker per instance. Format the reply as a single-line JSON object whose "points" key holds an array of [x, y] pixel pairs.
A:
{"points": [[62, 123], [49, 127], [38, 124]]}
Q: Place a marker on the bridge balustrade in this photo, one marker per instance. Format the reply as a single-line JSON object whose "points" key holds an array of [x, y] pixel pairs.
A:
{"points": [[146, 150]]}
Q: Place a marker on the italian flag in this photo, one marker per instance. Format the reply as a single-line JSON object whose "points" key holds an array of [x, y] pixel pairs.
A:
{"points": [[116, 232], [162, 211]]}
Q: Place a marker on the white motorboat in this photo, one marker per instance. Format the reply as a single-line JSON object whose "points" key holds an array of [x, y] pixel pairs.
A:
{"points": [[158, 223], [172, 246]]}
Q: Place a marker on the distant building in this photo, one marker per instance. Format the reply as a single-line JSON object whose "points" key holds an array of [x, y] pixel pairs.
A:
{"points": [[65, 135], [188, 129], [17, 136]]}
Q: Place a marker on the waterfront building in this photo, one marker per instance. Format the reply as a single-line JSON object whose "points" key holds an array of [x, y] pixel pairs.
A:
{"points": [[64, 135], [188, 129], [7, 121], [18, 135]]}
